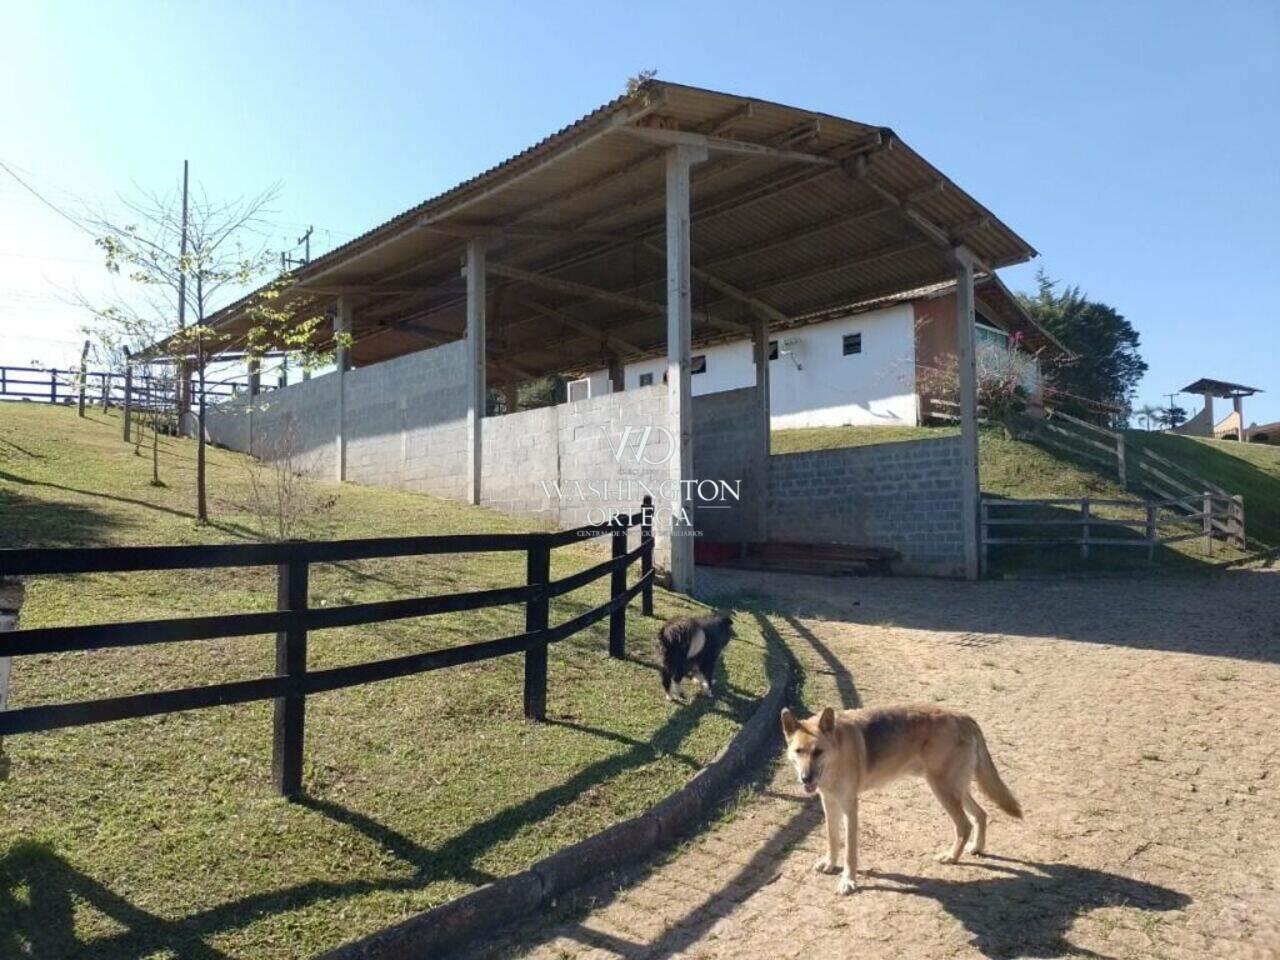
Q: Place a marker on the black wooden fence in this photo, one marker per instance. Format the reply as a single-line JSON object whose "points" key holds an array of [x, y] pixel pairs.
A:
{"points": [[294, 619]]}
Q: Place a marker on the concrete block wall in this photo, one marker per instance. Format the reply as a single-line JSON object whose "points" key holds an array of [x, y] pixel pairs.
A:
{"points": [[728, 445], [904, 496], [406, 422], [589, 436], [227, 423], [520, 452], [307, 412]]}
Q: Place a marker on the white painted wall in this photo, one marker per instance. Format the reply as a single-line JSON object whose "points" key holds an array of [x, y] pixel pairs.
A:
{"points": [[812, 383]]}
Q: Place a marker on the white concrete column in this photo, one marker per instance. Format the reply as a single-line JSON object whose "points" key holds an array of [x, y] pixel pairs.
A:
{"points": [[476, 387], [1208, 413], [1237, 404], [342, 363], [760, 475], [679, 336], [968, 375]]}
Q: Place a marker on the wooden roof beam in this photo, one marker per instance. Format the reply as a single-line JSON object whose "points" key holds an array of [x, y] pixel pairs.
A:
{"points": [[616, 344], [766, 310], [723, 145], [573, 288], [436, 337], [845, 262]]}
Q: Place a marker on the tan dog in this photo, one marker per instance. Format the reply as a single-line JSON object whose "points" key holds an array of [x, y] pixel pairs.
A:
{"points": [[841, 755]]}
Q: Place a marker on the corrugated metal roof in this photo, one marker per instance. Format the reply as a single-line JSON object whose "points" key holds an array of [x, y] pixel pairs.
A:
{"points": [[1219, 388], [586, 204]]}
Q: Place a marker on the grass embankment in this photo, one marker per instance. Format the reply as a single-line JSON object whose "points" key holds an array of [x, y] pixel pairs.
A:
{"points": [[1020, 469], [162, 836]]}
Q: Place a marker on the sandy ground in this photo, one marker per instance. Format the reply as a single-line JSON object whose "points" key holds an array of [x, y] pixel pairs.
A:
{"points": [[1136, 720]]}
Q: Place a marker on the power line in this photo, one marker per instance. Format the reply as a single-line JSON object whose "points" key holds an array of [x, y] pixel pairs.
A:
{"points": [[47, 202]]}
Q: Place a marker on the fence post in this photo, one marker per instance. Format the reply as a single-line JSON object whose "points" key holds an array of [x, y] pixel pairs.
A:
{"points": [[106, 392], [536, 615], [291, 662], [1151, 532], [53, 386], [1237, 501], [1208, 523], [128, 400], [646, 557], [12, 594], [4, 380], [617, 587], [1120, 460], [1084, 525]]}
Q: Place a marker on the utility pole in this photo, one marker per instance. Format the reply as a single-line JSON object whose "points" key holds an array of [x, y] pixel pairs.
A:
{"points": [[182, 273], [184, 380], [287, 262]]}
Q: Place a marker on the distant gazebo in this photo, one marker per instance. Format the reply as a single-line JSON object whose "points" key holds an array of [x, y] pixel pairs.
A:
{"points": [[1203, 423]]}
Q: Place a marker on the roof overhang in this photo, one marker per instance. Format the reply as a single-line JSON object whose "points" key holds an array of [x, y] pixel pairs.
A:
{"points": [[1219, 388], [794, 212]]}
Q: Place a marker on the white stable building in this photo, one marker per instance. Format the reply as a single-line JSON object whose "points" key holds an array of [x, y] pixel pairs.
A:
{"points": [[853, 366]]}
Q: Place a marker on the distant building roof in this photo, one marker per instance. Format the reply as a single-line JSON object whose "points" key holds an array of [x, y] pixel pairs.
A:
{"points": [[1220, 388]]}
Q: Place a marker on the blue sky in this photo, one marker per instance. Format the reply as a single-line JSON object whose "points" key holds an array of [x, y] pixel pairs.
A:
{"points": [[1137, 146]]}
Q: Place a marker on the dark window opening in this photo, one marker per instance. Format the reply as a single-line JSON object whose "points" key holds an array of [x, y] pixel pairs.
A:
{"points": [[773, 349], [698, 364], [852, 343], [646, 379]]}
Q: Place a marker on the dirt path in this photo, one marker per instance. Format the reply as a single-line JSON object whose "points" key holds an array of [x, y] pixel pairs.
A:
{"points": [[1135, 720]]}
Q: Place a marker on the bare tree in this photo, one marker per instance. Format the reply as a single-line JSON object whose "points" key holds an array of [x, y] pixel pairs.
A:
{"points": [[176, 256], [284, 504]]}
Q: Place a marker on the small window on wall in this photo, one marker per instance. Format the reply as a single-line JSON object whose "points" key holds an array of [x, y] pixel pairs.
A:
{"points": [[646, 379], [579, 390], [698, 364], [773, 349], [852, 343]]}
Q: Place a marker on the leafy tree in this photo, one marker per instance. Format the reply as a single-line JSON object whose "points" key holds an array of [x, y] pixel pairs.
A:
{"points": [[1146, 414], [1106, 365], [1173, 416]]}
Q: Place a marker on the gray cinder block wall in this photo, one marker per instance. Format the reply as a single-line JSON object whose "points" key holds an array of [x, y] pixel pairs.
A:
{"points": [[406, 428], [904, 496], [406, 422], [728, 446]]}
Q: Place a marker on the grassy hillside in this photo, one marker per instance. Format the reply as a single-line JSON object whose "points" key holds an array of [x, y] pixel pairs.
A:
{"points": [[1021, 469], [1250, 469], [162, 837]]}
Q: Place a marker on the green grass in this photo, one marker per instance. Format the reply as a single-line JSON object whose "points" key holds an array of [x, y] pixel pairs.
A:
{"points": [[162, 837], [803, 439], [1020, 469], [1249, 469]]}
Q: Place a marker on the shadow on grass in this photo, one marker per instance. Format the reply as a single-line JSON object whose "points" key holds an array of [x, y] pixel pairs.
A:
{"points": [[39, 890], [29, 521]]}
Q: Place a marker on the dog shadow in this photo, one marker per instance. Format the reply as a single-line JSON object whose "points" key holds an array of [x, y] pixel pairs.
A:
{"points": [[1026, 908]]}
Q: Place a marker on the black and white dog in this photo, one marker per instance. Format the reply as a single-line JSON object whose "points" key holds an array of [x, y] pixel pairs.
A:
{"points": [[690, 647]]}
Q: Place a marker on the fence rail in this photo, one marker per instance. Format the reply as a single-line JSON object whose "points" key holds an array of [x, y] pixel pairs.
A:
{"points": [[294, 619], [104, 387], [1212, 515]]}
